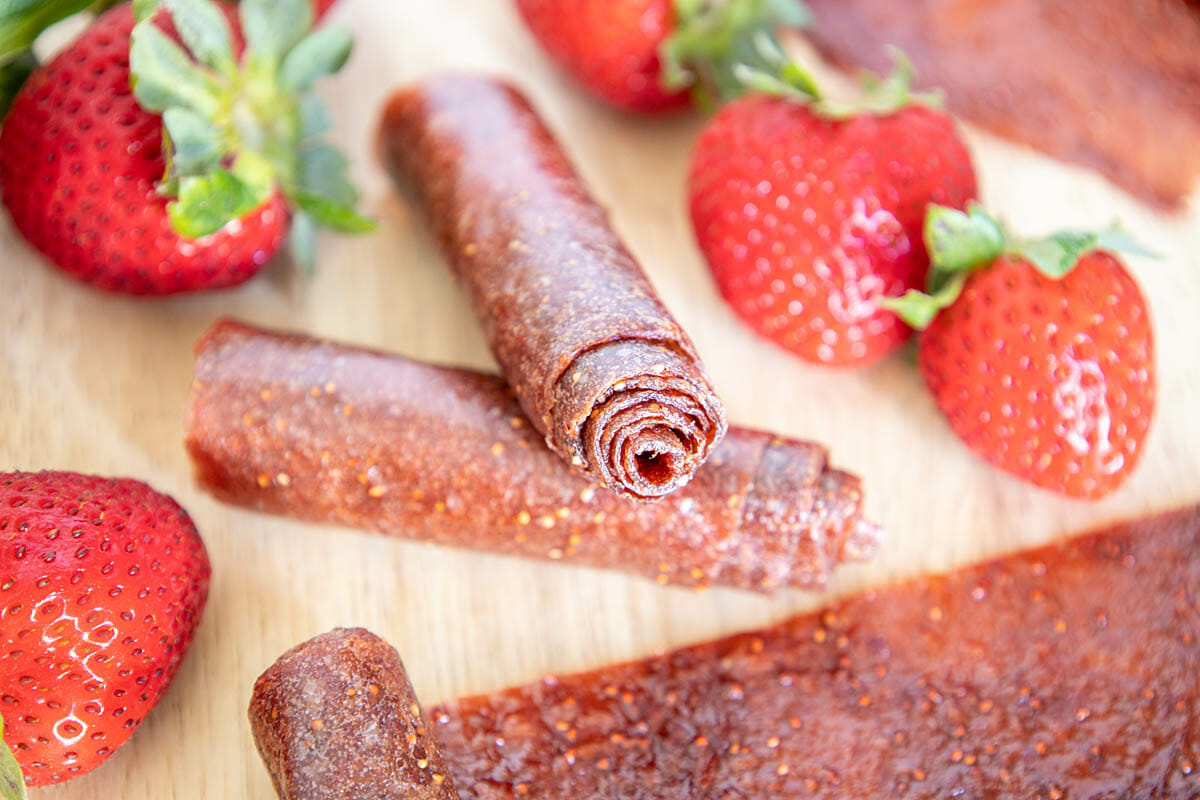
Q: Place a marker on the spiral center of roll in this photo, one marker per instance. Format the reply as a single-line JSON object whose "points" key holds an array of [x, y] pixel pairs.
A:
{"points": [[657, 468]]}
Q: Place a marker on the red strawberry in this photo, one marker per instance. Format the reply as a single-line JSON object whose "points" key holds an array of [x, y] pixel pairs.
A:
{"points": [[89, 182], [1043, 357], [808, 219], [320, 7], [610, 46], [102, 583], [641, 55]]}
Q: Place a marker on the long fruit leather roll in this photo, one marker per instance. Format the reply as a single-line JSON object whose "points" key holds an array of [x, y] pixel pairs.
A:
{"points": [[327, 432], [600, 366], [335, 718], [1064, 672]]}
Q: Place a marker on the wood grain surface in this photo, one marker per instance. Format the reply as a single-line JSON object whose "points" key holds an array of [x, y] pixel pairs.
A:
{"points": [[97, 383]]}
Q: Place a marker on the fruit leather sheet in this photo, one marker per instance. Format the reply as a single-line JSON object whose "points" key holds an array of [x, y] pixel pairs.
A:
{"points": [[1063, 672], [1108, 84]]}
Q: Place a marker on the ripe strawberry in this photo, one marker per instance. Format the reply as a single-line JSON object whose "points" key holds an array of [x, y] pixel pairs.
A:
{"points": [[809, 215], [320, 7], [1042, 355], [641, 55], [102, 583], [183, 182]]}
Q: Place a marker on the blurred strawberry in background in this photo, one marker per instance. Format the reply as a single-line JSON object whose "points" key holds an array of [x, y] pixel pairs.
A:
{"points": [[656, 55]]}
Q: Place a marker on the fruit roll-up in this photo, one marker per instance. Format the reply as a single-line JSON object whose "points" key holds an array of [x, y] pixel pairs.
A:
{"points": [[600, 366], [1064, 672], [335, 718], [326, 432]]}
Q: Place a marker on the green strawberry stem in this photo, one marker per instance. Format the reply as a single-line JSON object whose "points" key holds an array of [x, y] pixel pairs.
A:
{"points": [[785, 77], [12, 782], [713, 39], [961, 242], [722, 49], [236, 131]]}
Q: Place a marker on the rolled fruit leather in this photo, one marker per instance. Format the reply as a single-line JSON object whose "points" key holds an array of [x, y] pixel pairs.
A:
{"points": [[335, 718], [326, 432], [1063, 672], [600, 366]]}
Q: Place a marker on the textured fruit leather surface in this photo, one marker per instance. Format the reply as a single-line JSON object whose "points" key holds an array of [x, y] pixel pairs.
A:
{"points": [[596, 360], [1067, 671], [327, 432], [1109, 84]]}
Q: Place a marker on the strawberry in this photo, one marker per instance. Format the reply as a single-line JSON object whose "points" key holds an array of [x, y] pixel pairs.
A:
{"points": [[642, 55], [1039, 352], [320, 7], [102, 584], [139, 168], [809, 214]]}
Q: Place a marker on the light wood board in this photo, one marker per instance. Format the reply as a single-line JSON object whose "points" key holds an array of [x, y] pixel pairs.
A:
{"points": [[97, 383]]}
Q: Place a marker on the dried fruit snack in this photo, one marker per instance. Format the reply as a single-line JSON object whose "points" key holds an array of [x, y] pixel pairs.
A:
{"points": [[597, 362], [328, 432]]}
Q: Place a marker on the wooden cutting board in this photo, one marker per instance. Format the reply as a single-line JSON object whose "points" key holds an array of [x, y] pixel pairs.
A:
{"points": [[97, 383]]}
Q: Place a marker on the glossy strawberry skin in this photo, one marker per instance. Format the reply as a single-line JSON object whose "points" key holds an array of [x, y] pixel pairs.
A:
{"points": [[102, 583], [1050, 380], [79, 165], [610, 46], [807, 222]]}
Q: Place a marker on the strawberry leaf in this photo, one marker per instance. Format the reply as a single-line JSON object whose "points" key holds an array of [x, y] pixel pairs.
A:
{"points": [[144, 9], [918, 309], [791, 13], [321, 53], [273, 27], [314, 118], [12, 77], [716, 46], [1118, 240], [205, 31], [208, 203], [332, 214], [1057, 254], [22, 21], [959, 241], [12, 783], [321, 169], [302, 239], [164, 76], [196, 144]]}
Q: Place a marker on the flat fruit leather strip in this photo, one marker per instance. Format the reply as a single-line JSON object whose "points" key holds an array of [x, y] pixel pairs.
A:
{"points": [[1110, 84], [598, 363], [327, 432], [1070, 671], [335, 718]]}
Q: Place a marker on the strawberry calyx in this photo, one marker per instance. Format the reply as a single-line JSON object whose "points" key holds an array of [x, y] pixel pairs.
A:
{"points": [[713, 39], [12, 782], [882, 95], [962, 242], [236, 131], [21, 22]]}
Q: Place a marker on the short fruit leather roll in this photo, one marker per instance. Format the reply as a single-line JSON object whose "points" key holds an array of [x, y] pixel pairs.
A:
{"points": [[335, 718], [1064, 672], [600, 366], [332, 433]]}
